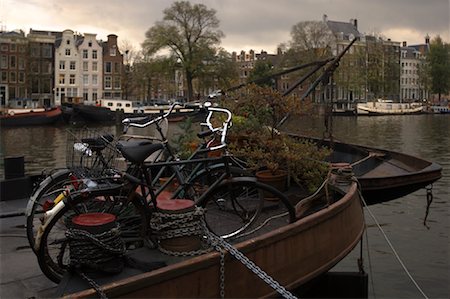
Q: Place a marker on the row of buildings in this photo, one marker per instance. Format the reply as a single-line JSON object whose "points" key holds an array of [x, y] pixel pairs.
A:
{"points": [[373, 68], [45, 68]]}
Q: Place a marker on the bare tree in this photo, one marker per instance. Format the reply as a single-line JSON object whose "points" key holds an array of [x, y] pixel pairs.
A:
{"points": [[188, 31]]}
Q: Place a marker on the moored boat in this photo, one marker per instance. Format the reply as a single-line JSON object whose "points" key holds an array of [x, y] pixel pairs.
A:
{"points": [[327, 226], [440, 109], [383, 175], [27, 117], [388, 107]]}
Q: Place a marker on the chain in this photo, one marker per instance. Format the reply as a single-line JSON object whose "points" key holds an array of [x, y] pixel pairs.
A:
{"points": [[429, 201], [221, 243]]}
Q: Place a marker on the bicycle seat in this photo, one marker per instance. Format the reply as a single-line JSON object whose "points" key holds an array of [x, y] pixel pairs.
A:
{"points": [[137, 151]]}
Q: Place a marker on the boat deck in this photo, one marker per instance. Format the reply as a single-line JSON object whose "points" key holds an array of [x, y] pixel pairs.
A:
{"points": [[274, 215]]}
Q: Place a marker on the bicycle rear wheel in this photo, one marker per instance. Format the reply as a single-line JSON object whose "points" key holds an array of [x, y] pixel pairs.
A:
{"points": [[42, 199], [53, 252], [235, 207]]}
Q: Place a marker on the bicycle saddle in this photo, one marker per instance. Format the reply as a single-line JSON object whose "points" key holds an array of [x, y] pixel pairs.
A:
{"points": [[137, 151]]}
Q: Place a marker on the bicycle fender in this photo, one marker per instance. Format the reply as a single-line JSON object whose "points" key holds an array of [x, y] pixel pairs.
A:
{"points": [[48, 180], [48, 216]]}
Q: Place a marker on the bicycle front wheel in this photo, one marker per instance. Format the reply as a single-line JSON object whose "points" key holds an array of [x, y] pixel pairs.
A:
{"points": [[54, 252], [234, 207]]}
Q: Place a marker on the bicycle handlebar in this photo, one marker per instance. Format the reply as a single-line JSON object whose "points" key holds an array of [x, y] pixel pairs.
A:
{"points": [[225, 125], [132, 122]]}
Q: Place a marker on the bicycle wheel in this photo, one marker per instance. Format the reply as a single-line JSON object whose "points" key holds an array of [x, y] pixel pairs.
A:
{"points": [[205, 178], [42, 199], [53, 253], [234, 207]]}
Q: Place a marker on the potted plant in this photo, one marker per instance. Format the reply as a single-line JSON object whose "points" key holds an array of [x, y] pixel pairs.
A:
{"points": [[257, 138]]}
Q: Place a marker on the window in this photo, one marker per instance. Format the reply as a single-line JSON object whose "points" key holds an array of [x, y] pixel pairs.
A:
{"points": [[46, 67], [90, 44], [12, 62], [34, 67], [112, 51], [94, 94], [94, 54], [4, 47], [85, 66], [62, 65], [85, 79], [94, 80], [116, 82], [85, 94], [4, 77], [73, 65], [13, 47], [46, 85], [62, 79], [34, 51], [94, 66], [47, 51], [68, 42], [108, 82], [4, 62], [21, 77], [21, 63], [72, 79], [108, 67], [85, 54], [12, 77], [67, 52]]}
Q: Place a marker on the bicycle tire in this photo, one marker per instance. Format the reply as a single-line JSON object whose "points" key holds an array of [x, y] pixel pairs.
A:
{"points": [[48, 189], [234, 206], [53, 254]]}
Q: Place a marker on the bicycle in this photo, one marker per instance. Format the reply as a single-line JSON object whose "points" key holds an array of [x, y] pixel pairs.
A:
{"points": [[86, 154], [232, 204]]}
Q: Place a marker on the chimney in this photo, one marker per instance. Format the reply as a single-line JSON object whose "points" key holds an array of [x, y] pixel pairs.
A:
{"points": [[355, 23], [404, 43]]}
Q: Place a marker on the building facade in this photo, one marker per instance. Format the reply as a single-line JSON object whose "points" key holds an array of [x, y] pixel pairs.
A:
{"points": [[13, 69], [91, 68], [412, 60], [113, 70]]}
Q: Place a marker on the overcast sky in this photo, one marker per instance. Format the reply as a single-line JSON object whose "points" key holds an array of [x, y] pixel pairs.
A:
{"points": [[247, 24]]}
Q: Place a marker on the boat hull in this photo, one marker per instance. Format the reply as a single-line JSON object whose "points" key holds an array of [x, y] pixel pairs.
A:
{"points": [[292, 255], [46, 117], [383, 175]]}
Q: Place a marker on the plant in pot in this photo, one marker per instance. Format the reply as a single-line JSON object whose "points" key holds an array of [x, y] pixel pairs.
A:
{"points": [[270, 152]]}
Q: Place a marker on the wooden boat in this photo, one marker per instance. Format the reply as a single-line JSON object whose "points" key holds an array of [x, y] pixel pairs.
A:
{"points": [[384, 175], [28, 117], [388, 107], [322, 233]]}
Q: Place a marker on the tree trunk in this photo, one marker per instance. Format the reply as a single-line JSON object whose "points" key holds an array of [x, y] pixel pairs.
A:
{"points": [[189, 86]]}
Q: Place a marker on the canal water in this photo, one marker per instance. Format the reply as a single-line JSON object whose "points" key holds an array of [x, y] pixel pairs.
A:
{"points": [[423, 249]]}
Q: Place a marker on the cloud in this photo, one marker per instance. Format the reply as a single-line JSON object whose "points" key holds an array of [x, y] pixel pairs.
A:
{"points": [[250, 24]]}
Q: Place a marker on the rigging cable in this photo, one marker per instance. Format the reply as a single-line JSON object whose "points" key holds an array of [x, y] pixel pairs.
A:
{"points": [[392, 247]]}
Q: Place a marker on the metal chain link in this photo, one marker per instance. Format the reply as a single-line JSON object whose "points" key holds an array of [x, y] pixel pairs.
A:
{"points": [[217, 241]]}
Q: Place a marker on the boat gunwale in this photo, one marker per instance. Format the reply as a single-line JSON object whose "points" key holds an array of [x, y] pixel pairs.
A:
{"points": [[204, 261]]}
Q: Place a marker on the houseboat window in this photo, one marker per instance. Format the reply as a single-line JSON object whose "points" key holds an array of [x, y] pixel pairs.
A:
{"points": [[127, 105], [110, 104], [119, 104]]}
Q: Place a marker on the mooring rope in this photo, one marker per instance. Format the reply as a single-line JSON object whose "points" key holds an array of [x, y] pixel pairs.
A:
{"points": [[397, 256]]}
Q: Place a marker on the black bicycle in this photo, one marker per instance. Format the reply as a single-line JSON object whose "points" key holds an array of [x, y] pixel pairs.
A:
{"points": [[232, 203]]}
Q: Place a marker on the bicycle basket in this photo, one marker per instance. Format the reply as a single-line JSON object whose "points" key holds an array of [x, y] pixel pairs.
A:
{"points": [[91, 152]]}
